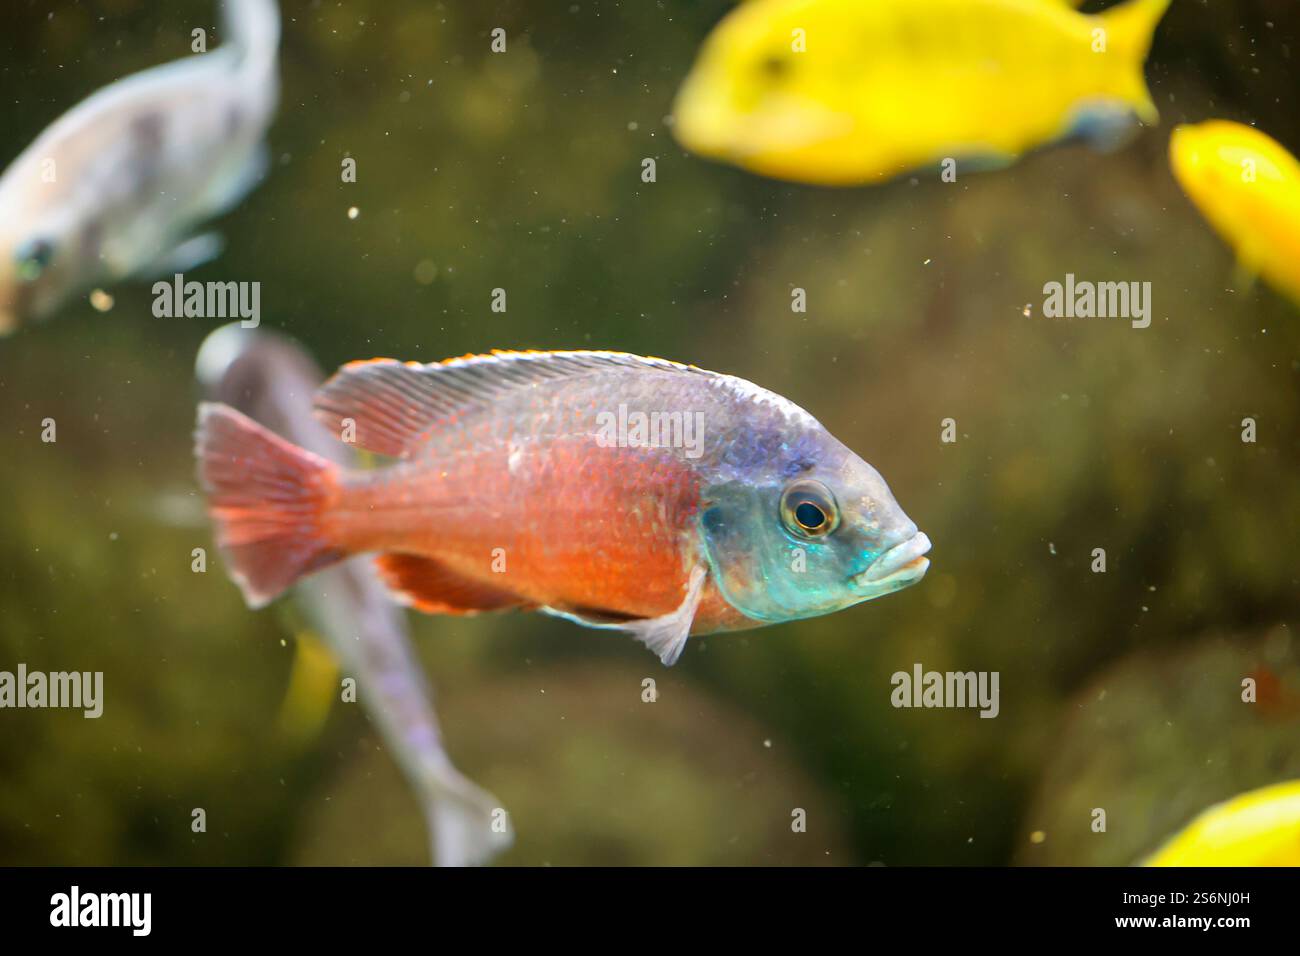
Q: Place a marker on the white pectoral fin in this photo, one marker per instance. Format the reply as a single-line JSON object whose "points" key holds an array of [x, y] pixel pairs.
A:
{"points": [[189, 254], [231, 190], [665, 635]]}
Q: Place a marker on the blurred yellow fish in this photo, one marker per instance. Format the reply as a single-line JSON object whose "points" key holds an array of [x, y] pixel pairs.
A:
{"points": [[839, 92], [313, 687], [1259, 828], [1248, 186]]}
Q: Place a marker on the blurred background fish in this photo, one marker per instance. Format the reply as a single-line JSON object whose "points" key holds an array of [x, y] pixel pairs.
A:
{"points": [[1248, 186], [839, 92], [116, 186], [347, 610], [521, 484], [1259, 828]]}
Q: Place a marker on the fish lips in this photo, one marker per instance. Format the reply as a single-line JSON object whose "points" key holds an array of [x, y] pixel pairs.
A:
{"points": [[898, 567]]}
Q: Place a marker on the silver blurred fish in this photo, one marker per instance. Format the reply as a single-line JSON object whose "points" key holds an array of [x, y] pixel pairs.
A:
{"points": [[116, 186], [272, 380]]}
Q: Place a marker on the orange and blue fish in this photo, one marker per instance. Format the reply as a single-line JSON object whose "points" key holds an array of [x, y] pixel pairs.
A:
{"points": [[613, 490]]}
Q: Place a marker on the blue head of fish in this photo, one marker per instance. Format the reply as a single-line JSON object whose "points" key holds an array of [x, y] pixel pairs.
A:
{"points": [[796, 525]]}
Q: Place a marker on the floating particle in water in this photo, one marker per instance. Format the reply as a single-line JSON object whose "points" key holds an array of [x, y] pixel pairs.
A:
{"points": [[426, 270], [1027, 311], [353, 212], [101, 301], [1051, 547], [1038, 836], [767, 744]]}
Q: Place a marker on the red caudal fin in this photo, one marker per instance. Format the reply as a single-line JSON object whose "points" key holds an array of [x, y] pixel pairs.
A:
{"points": [[266, 498]]}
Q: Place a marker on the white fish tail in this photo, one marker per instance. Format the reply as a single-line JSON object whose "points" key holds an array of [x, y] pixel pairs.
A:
{"points": [[253, 27], [467, 824]]}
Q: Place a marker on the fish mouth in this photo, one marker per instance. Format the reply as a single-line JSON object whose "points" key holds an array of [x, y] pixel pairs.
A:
{"points": [[901, 565]]}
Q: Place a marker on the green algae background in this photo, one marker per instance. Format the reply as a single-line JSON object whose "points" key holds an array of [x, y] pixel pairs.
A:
{"points": [[1118, 690]]}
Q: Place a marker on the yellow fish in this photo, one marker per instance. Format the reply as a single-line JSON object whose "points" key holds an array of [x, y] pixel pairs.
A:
{"points": [[313, 688], [839, 92], [1248, 186], [1259, 828]]}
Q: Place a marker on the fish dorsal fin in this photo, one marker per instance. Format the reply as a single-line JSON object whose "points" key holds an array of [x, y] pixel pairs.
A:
{"points": [[395, 406]]}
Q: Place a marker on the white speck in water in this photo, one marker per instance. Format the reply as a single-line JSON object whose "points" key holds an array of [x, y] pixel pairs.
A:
{"points": [[353, 212], [1051, 548]]}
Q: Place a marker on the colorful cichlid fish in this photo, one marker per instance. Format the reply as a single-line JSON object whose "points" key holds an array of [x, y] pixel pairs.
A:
{"points": [[1248, 186], [115, 187], [613, 490], [272, 379], [840, 92], [1259, 828]]}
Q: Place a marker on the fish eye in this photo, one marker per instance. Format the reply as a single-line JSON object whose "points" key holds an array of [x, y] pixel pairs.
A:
{"points": [[809, 516], [808, 509], [774, 66], [33, 258]]}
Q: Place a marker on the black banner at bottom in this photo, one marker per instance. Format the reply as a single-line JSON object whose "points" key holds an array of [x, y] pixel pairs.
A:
{"points": [[550, 905]]}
